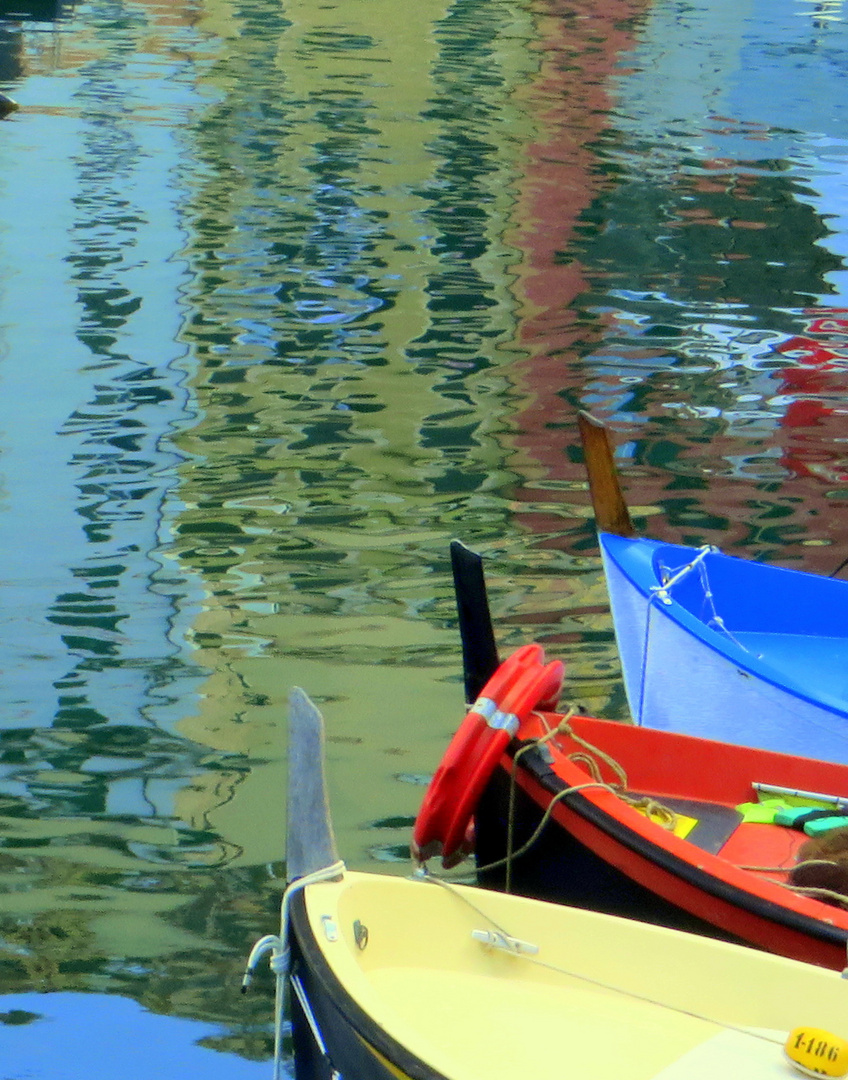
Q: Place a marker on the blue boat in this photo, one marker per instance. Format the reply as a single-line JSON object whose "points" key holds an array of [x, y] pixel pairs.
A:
{"points": [[717, 646]]}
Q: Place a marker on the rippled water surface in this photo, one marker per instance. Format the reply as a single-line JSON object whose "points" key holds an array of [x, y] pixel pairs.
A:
{"points": [[290, 295]]}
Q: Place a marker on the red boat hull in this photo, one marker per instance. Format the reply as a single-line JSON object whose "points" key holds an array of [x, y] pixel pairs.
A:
{"points": [[598, 851]]}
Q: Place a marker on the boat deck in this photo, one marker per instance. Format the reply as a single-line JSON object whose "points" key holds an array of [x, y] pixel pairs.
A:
{"points": [[601, 1028], [616, 996], [765, 849]]}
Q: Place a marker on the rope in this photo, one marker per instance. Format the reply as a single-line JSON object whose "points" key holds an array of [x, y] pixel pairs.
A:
{"points": [[537, 832], [423, 875], [715, 620], [815, 862], [661, 815], [565, 727], [667, 818], [656, 811], [507, 862], [661, 593], [643, 675], [814, 891], [817, 891], [512, 855], [589, 764], [277, 945], [510, 828], [764, 869]]}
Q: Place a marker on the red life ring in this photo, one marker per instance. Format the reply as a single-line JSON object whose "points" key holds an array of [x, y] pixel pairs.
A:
{"points": [[521, 684]]}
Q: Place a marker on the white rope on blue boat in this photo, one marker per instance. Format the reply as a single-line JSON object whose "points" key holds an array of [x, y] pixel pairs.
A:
{"points": [[660, 592], [662, 595], [715, 620], [277, 946]]}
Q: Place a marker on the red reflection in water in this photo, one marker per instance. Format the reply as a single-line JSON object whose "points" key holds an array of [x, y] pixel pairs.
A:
{"points": [[579, 46], [814, 430], [579, 50]]}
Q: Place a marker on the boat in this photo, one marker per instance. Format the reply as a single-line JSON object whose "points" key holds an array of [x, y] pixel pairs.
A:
{"points": [[736, 842], [418, 978], [718, 646]]}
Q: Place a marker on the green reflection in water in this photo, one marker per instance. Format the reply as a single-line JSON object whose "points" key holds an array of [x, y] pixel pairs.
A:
{"points": [[287, 306], [331, 289]]}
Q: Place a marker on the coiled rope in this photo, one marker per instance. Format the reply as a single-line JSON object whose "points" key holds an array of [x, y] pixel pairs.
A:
{"points": [[588, 758], [658, 813]]}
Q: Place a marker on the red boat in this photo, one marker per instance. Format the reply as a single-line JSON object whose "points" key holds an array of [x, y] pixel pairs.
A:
{"points": [[633, 821]]}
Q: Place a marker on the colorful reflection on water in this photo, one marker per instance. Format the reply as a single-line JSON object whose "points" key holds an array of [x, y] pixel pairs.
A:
{"points": [[291, 295]]}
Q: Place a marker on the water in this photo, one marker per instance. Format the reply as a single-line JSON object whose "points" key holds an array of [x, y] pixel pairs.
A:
{"points": [[291, 295]]}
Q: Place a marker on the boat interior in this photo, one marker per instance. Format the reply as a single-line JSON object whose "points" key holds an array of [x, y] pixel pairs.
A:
{"points": [[718, 797], [417, 954]]}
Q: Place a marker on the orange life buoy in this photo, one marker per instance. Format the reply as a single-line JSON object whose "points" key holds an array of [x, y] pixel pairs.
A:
{"points": [[521, 684]]}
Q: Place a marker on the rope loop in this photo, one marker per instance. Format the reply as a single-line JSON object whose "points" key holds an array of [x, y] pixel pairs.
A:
{"points": [[588, 756], [277, 945], [662, 594]]}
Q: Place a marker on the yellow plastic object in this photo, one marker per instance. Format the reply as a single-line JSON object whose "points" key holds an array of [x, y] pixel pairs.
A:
{"points": [[816, 1052], [683, 825]]}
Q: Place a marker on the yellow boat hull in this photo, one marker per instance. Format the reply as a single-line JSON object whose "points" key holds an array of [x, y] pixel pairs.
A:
{"points": [[407, 978]]}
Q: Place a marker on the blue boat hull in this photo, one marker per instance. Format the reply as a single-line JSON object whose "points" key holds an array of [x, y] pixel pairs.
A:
{"points": [[728, 649]]}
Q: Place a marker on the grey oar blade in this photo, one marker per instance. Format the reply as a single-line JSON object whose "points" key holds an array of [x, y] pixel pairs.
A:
{"points": [[310, 844]]}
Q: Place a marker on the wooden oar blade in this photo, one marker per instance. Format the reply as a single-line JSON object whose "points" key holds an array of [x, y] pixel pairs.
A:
{"points": [[479, 650], [310, 844], [611, 513]]}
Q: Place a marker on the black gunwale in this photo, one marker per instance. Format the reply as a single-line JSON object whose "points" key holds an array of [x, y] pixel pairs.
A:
{"points": [[352, 1013]]}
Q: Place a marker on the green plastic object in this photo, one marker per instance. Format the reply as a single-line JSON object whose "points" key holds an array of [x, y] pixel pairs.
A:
{"points": [[797, 817], [825, 824], [761, 813]]}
